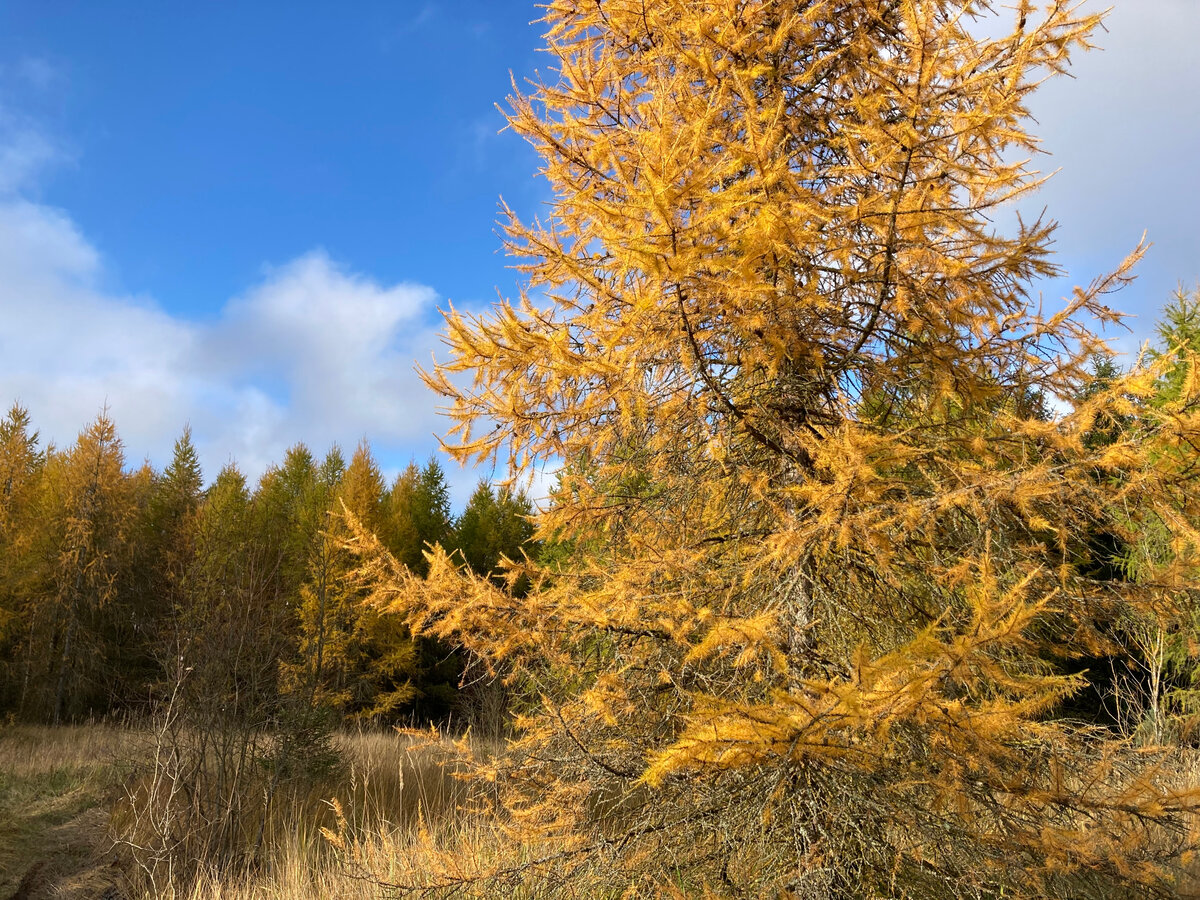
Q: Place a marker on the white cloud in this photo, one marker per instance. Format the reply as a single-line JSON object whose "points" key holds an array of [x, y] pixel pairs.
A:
{"points": [[312, 353], [329, 356], [22, 157], [25, 152], [64, 345], [1125, 132]]}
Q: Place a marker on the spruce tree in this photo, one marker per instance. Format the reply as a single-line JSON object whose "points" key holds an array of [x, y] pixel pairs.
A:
{"points": [[419, 513], [1178, 331]]}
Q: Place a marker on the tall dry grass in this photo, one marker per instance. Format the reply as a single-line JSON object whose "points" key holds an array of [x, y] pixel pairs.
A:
{"points": [[30, 751], [437, 845], [395, 821], [399, 821], [300, 836]]}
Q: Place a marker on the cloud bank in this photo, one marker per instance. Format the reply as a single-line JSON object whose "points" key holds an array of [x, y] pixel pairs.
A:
{"points": [[311, 352]]}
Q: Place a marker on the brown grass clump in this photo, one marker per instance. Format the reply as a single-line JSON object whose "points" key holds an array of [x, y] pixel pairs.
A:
{"points": [[195, 821]]}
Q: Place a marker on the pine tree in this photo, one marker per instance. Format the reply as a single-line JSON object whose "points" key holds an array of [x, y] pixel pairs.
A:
{"points": [[286, 518], [229, 630], [133, 624], [1158, 690], [809, 652], [1179, 334], [418, 513], [164, 550], [492, 528], [180, 488], [411, 678], [362, 488], [336, 629], [361, 493], [20, 460], [314, 561]]}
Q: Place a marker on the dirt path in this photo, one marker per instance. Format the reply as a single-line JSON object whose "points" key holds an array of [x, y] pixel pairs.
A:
{"points": [[68, 863], [53, 828]]}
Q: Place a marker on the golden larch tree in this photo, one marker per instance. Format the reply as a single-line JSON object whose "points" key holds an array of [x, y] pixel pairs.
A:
{"points": [[87, 512], [820, 563]]}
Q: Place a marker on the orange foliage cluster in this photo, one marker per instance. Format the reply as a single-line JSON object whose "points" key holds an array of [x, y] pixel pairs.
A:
{"points": [[827, 484]]}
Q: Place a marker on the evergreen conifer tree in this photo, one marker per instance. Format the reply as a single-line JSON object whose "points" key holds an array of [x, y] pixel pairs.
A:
{"points": [[1179, 336]]}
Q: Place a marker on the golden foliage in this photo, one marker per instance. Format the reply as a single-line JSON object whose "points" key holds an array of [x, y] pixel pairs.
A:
{"points": [[824, 511]]}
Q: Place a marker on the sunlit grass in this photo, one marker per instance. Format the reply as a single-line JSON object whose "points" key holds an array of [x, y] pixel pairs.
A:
{"points": [[394, 797], [395, 821]]}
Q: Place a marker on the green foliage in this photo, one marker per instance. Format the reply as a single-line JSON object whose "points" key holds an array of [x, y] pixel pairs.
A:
{"points": [[1179, 334], [493, 527], [181, 485], [1109, 424], [418, 509]]}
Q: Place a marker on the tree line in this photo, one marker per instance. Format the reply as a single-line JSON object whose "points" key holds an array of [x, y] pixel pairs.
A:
{"points": [[121, 585]]}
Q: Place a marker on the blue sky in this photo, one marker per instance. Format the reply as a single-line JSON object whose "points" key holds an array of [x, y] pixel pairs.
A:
{"points": [[202, 140], [244, 215]]}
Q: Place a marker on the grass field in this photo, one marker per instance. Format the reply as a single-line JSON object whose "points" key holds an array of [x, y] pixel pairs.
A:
{"points": [[56, 789], [392, 821], [394, 813]]}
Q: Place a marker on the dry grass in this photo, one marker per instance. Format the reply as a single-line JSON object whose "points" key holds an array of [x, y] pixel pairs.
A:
{"points": [[397, 780], [395, 806], [394, 822], [56, 785], [382, 864], [29, 751], [393, 794], [403, 832], [462, 857]]}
